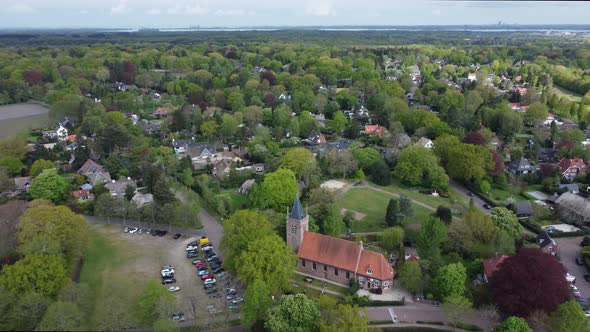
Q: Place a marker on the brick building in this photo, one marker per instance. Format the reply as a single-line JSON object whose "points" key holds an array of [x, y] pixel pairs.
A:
{"points": [[335, 259]]}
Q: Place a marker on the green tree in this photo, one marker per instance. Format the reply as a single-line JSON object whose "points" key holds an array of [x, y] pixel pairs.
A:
{"points": [[11, 164], [450, 280], [51, 229], [29, 311], [49, 185], [380, 173], [43, 274], [61, 316], [392, 214], [456, 306], [187, 177], [418, 166], [471, 232], [228, 128], [239, 230], [507, 221], [165, 325], [535, 115], [300, 161], [258, 301], [405, 206], [154, 301], [338, 122], [569, 317], [410, 277], [513, 324], [432, 235], [268, 259], [277, 191], [336, 317], [392, 238], [209, 128], [295, 313], [366, 156], [39, 166]]}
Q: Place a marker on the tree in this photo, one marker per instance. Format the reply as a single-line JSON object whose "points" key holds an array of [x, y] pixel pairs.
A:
{"points": [[29, 311], [209, 128], [268, 259], [165, 325], [296, 313], [366, 157], [258, 301], [9, 214], [418, 166], [39, 166], [45, 228], [61, 316], [569, 317], [450, 280], [432, 235], [507, 221], [277, 191], [239, 230], [516, 293], [455, 306], [340, 163], [392, 214], [6, 182], [336, 317], [380, 173], [513, 324], [410, 276], [300, 161], [535, 115], [43, 274], [444, 213], [152, 299], [49, 185], [392, 238], [339, 121], [471, 232], [405, 206], [11, 165]]}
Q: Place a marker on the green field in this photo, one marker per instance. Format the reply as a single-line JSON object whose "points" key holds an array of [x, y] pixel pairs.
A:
{"points": [[413, 193], [570, 95], [239, 201], [373, 204]]}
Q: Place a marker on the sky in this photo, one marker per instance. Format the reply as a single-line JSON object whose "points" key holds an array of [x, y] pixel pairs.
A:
{"points": [[242, 13]]}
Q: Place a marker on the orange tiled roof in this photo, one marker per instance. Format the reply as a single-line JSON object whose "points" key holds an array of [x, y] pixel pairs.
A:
{"points": [[492, 265]]}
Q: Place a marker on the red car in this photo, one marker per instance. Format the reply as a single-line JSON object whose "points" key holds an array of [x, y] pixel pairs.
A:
{"points": [[207, 276], [201, 264]]}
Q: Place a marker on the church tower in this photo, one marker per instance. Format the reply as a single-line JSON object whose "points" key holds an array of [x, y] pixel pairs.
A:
{"points": [[297, 224]]}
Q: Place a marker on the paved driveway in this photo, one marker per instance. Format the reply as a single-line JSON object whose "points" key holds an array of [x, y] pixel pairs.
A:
{"points": [[464, 191], [568, 248]]}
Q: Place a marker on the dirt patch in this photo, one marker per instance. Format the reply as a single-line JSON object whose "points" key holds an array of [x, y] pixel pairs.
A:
{"points": [[153, 252], [357, 215], [333, 185]]}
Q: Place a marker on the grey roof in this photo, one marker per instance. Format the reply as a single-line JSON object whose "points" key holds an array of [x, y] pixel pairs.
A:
{"points": [[571, 187], [523, 208], [521, 164], [297, 211], [576, 204], [22, 183], [543, 239]]}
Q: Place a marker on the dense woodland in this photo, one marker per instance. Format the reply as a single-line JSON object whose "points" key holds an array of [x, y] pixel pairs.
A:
{"points": [[264, 96]]}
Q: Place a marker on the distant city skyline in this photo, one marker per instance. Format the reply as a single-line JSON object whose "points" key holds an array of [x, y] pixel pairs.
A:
{"points": [[227, 13]]}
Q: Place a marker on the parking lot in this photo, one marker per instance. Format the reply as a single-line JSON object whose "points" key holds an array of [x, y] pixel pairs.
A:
{"points": [[568, 249], [198, 308]]}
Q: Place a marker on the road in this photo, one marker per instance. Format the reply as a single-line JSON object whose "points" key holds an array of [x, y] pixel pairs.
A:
{"points": [[464, 191], [212, 229], [568, 248], [186, 232]]}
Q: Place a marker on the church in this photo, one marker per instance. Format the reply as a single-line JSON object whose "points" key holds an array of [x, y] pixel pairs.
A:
{"points": [[335, 259]]}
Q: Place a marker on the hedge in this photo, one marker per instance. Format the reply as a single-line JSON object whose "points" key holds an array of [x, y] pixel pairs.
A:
{"points": [[383, 303], [466, 326], [431, 322]]}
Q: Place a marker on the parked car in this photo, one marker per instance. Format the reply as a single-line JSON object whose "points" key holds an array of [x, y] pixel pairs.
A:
{"points": [[570, 278], [140, 231], [173, 289], [126, 230], [162, 233], [217, 270], [587, 313], [200, 264], [220, 274], [577, 295], [207, 276], [202, 272], [550, 229], [212, 290], [176, 236], [233, 306], [230, 291], [215, 264], [579, 260], [167, 275], [133, 230], [195, 261], [155, 232], [587, 277], [168, 281], [189, 248], [212, 258], [487, 206], [207, 286], [470, 194], [148, 231], [237, 300], [209, 281], [210, 254], [178, 317]]}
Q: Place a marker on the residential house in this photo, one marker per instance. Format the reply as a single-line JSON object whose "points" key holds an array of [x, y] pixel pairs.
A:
{"points": [[152, 127], [21, 184], [403, 140], [517, 107], [570, 187], [285, 97], [495, 143], [425, 143], [255, 168], [86, 186], [374, 130], [320, 120], [201, 153], [523, 209], [141, 199], [573, 208], [471, 77], [221, 169], [521, 166], [491, 265], [162, 112], [335, 259], [60, 133], [82, 195], [118, 188], [246, 186], [314, 139], [95, 173], [547, 155], [181, 146], [570, 168], [547, 244]]}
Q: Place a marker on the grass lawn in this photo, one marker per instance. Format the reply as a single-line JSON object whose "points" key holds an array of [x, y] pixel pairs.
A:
{"points": [[239, 201], [373, 204], [301, 279], [413, 193], [570, 95]]}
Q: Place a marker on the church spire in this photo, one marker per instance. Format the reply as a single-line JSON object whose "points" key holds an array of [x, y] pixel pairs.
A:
{"points": [[297, 211]]}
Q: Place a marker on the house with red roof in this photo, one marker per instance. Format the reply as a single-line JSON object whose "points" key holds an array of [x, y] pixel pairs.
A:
{"points": [[162, 112], [334, 259], [374, 130], [82, 194], [491, 265], [569, 168]]}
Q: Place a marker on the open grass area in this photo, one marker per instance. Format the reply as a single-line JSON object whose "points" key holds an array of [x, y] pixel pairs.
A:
{"points": [[413, 193], [373, 204], [239, 201], [301, 279], [570, 95]]}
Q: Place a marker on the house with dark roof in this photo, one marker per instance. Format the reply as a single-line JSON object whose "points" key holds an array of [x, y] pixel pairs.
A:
{"points": [[95, 173], [21, 184], [573, 208], [118, 188], [491, 265], [335, 259], [570, 187], [547, 244], [523, 209], [521, 166], [570, 168]]}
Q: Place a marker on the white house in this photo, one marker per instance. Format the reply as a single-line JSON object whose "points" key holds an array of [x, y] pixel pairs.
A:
{"points": [[425, 142]]}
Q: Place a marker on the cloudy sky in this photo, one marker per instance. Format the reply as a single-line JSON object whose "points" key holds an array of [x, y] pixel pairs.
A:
{"points": [[228, 13]]}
